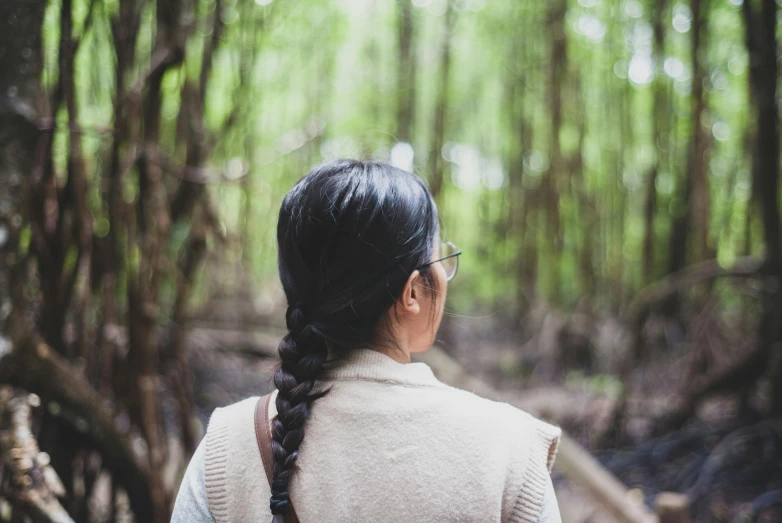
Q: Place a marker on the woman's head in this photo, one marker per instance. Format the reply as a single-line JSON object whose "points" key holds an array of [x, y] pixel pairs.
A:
{"points": [[352, 237]]}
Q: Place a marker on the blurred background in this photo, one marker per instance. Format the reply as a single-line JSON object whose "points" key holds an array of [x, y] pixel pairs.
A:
{"points": [[610, 169]]}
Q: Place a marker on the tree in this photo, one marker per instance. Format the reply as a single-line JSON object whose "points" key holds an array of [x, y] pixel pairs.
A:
{"points": [[435, 160], [114, 275], [406, 72], [760, 35], [659, 137]]}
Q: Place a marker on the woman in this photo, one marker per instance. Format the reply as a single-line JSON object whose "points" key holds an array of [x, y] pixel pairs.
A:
{"points": [[365, 277]]}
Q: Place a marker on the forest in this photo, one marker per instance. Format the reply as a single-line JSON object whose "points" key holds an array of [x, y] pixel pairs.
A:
{"points": [[609, 168]]}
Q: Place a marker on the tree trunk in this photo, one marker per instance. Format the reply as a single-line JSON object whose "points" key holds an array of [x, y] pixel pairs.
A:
{"points": [[760, 27], [154, 222], [519, 202], [692, 208], [699, 199], [585, 212], [132, 261], [406, 69], [659, 137], [20, 108], [555, 175], [435, 161]]}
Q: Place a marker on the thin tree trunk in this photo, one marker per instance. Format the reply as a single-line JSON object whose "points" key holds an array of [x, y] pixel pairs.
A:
{"points": [[77, 181], [435, 161], [154, 225], [406, 69], [20, 137], [555, 175], [585, 207], [246, 69], [616, 218], [760, 27], [659, 137], [519, 203], [699, 202], [693, 206]]}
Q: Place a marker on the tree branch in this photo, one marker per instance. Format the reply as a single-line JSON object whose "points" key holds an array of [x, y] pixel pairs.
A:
{"points": [[33, 365]]}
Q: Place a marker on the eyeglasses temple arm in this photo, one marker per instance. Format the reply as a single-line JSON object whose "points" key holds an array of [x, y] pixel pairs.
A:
{"points": [[427, 264]]}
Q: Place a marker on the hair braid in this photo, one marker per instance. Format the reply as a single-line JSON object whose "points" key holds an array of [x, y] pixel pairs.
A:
{"points": [[302, 353]]}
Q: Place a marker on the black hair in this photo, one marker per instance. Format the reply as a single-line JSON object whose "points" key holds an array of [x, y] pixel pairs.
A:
{"points": [[350, 234]]}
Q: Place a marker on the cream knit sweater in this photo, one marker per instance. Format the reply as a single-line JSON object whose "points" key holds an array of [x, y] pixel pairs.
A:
{"points": [[389, 443]]}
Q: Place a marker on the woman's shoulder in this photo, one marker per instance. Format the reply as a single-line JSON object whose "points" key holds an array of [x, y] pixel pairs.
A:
{"points": [[504, 420], [231, 450], [230, 428], [237, 408], [471, 402], [240, 412]]}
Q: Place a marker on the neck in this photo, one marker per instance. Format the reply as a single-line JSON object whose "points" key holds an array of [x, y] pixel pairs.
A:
{"points": [[372, 365], [400, 354], [393, 341], [394, 344]]}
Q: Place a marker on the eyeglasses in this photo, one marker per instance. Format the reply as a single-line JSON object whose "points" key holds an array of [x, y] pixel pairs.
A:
{"points": [[450, 261]]}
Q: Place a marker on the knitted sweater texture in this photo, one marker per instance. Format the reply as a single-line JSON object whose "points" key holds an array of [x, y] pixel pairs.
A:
{"points": [[389, 443]]}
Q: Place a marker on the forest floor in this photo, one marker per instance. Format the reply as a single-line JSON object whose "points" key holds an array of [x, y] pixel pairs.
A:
{"points": [[723, 460], [727, 460]]}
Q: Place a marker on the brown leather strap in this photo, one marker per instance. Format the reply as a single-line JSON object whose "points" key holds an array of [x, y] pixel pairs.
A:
{"points": [[263, 433]]}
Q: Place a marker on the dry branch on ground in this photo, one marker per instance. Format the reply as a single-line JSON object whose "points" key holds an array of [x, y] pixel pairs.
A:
{"points": [[33, 485]]}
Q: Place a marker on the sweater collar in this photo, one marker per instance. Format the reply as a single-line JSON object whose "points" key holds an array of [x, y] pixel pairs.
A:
{"points": [[371, 365]]}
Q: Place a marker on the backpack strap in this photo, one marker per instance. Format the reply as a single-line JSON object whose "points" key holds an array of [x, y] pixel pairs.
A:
{"points": [[263, 433]]}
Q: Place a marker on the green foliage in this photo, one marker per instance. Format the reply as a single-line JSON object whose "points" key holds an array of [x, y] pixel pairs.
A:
{"points": [[597, 384], [296, 83]]}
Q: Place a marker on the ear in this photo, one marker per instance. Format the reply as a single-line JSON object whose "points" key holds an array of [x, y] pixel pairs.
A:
{"points": [[409, 302]]}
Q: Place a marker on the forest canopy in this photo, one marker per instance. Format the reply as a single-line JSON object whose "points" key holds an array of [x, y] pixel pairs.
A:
{"points": [[592, 102]]}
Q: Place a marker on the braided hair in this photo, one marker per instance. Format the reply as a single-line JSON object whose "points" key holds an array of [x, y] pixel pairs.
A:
{"points": [[349, 235]]}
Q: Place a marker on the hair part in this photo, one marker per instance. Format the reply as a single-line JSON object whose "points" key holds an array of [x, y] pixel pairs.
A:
{"points": [[349, 235]]}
